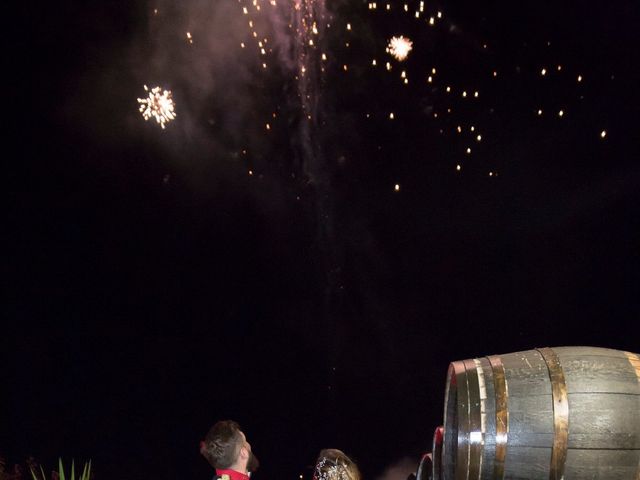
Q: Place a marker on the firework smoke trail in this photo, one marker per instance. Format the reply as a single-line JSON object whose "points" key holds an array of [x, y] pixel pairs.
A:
{"points": [[309, 23]]}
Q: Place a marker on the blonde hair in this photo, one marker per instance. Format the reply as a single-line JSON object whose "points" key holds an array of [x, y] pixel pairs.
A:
{"points": [[334, 464]]}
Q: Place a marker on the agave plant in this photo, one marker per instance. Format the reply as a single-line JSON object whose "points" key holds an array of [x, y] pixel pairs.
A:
{"points": [[86, 472]]}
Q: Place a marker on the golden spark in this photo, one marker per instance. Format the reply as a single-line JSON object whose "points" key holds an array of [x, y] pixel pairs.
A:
{"points": [[157, 105], [400, 47]]}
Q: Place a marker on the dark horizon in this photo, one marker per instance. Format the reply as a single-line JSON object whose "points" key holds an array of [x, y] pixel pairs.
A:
{"points": [[160, 280]]}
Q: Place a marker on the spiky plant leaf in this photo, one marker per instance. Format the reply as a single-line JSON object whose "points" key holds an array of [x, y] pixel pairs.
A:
{"points": [[86, 472]]}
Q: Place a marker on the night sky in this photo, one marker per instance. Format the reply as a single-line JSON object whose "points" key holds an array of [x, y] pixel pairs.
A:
{"points": [[304, 252]]}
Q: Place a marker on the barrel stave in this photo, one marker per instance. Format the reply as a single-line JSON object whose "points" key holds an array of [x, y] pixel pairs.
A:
{"points": [[601, 464], [526, 374], [526, 463], [583, 351], [532, 414], [606, 420], [599, 374]]}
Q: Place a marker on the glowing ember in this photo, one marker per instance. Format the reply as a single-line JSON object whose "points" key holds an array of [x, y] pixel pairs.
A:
{"points": [[157, 105], [400, 47]]}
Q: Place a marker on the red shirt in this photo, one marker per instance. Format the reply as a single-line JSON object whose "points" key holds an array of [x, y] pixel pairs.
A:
{"points": [[233, 475]]}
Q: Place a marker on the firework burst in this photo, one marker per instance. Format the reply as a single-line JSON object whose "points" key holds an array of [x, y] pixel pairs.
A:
{"points": [[400, 47], [158, 105]]}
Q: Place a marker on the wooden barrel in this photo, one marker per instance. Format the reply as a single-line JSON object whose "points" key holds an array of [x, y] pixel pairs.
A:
{"points": [[436, 451], [425, 467], [550, 413]]}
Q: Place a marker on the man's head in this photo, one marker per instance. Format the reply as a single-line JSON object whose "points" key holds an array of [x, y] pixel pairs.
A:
{"points": [[226, 447]]}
